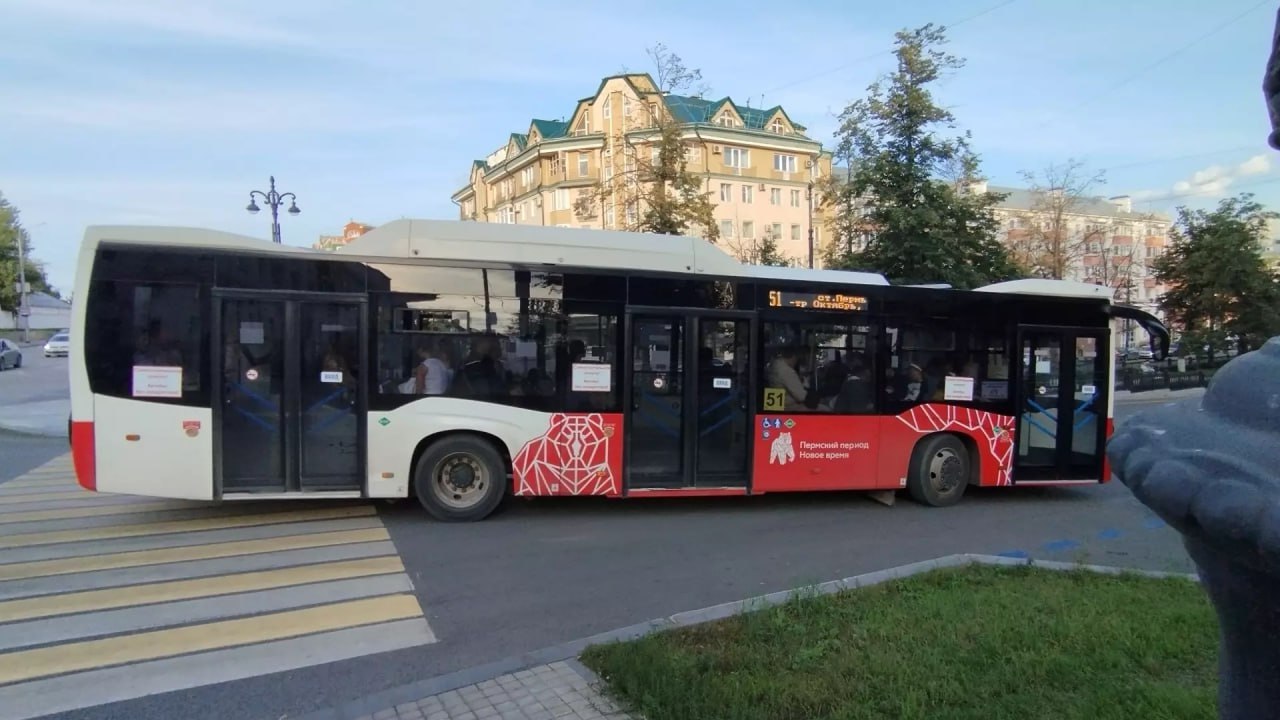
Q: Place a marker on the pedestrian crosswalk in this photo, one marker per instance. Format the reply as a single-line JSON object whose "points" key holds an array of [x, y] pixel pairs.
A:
{"points": [[106, 598]]}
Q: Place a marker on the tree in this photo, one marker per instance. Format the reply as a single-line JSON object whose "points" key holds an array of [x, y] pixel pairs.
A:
{"points": [[1220, 287], [11, 233], [655, 192], [1055, 243], [764, 251], [913, 225]]}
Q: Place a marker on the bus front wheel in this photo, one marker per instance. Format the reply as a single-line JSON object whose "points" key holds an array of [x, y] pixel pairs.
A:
{"points": [[939, 471], [460, 479]]}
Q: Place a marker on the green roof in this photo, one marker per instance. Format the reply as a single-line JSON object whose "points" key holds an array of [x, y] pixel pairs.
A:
{"points": [[521, 140], [698, 110], [551, 129]]}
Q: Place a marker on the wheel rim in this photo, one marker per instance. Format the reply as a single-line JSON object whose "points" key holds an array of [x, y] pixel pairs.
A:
{"points": [[460, 481], [946, 471]]}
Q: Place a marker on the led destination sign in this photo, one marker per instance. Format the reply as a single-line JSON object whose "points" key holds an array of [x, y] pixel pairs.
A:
{"points": [[817, 301]]}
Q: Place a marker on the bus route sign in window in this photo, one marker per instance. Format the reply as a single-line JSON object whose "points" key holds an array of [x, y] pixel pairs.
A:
{"points": [[817, 301]]}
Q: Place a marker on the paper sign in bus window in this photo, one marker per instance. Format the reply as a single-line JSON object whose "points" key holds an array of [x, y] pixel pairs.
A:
{"points": [[958, 389], [252, 333], [592, 377], [331, 376], [156, 381]]}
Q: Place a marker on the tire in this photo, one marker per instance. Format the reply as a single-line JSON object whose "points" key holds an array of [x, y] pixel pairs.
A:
{"points": [[17, 363], [478, 472], [939, 471]]}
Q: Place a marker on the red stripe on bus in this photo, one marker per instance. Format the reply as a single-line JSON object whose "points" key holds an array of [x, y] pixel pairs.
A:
{"points": [[82, 454], [1106, 462]]}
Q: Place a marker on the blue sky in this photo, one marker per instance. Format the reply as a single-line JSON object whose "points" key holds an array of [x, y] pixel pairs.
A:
{"points": [[169, 112]]}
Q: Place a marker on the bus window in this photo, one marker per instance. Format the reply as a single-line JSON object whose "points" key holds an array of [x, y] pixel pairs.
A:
{"points": [[833, 363]]}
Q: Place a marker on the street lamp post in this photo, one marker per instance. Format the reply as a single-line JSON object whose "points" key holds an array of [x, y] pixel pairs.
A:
{"points": [[24, 312], [274, 200]]}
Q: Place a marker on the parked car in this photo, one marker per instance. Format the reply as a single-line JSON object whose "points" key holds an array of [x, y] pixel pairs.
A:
{"points": [[58, 345], [10, 355]]}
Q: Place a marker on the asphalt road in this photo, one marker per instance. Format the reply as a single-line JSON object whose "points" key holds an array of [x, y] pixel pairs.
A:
{"points": [[544, 572], [39, 379]]}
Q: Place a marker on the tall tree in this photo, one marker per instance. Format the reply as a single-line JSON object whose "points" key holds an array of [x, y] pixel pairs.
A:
{"points": [[759, 251], [1220, 287], [913, 225], [1056, 242], [11, 233], [655, 191]]}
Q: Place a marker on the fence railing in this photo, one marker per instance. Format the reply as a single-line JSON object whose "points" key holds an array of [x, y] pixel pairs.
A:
{"points": [[1137, 379]]}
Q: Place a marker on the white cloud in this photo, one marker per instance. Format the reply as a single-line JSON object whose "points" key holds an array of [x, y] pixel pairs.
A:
{"points": [[1212, 182]]}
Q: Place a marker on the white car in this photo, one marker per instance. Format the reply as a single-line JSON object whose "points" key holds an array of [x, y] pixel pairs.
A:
{"points": [[58, 345]]}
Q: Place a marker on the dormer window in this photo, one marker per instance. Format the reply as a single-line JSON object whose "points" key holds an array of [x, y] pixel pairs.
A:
{"points": [[777, 127]]}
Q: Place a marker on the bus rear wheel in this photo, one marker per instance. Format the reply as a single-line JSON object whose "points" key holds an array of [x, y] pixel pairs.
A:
{"points": [[939, 471], [460, 479]]}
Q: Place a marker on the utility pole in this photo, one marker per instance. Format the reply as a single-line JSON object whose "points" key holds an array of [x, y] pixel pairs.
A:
{"points": [[24, 313]]}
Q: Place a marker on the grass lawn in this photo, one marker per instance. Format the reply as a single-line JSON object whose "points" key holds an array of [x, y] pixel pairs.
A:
{"points": [[978, 642]]}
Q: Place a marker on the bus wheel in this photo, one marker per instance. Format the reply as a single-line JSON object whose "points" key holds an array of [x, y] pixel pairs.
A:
{"points": [[460, 479], [939, 471]]}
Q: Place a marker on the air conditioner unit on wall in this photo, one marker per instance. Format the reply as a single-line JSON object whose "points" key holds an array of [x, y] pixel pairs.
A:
{"points": [[715, 149]]}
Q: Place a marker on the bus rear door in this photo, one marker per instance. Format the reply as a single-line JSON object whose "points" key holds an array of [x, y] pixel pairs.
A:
{"points": [[290, 404], [1062, 404]]}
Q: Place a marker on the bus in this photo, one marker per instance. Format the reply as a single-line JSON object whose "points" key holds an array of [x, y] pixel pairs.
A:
{"points": [[458, 363]]}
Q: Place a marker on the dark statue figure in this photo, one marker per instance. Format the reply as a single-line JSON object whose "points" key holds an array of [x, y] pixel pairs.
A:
{"points": [[1211, 469], [1271, 87]]}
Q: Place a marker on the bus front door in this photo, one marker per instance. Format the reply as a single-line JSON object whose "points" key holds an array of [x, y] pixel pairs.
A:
{"points": [[291, 396], [1062, 400], [687, 413]]}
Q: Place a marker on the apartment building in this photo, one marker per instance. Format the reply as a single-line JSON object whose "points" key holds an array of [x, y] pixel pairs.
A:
{"points": [[758, 165], [1103, 240], [350, 231]]}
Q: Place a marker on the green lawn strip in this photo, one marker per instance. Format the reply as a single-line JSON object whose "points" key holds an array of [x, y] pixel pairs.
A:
{"points": [[977, 642]]}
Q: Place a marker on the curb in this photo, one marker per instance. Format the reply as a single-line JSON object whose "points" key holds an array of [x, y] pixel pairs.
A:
{"points": [[568, 652]]}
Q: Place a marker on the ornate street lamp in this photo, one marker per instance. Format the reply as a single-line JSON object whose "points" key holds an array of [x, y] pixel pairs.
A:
{"points": [[274, 200]]}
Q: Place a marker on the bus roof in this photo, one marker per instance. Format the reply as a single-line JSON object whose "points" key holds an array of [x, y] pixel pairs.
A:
{"points": [[542, 245], [534, 245]]}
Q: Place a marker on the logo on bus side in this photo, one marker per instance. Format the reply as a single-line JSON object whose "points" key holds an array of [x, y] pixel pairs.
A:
{"points": [[191, 427]]}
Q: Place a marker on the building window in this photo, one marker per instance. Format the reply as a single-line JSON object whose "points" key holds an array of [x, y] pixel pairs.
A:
{"points": [[736, 157], [526, 177], [631, 214], [609, 216], [777, 127], [606, 110], [775, 231], [693, 154], [726, 192], [795, 198], [775, 196], [726, 228], [795, 232], [748, 230], [784, 163], [748, 193], [556, 165], [562, 199], [584, 164], [726, 119]]}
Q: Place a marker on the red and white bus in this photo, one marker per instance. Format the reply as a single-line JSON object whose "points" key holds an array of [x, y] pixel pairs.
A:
{"points": [[461, 362]]}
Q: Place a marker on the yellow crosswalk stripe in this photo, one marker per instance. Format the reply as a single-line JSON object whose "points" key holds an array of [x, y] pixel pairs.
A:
{"points": [[182, 526], [138, 558], [106, 599], [72, 657], [16, 498], [21, 516]]}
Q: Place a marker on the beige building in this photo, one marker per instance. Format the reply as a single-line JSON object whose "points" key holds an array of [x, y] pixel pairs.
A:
{"points": [[1106, 242], [758, 166]]}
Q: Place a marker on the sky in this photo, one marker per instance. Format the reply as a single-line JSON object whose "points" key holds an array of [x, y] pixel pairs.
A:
{"points": [[170, 111]]}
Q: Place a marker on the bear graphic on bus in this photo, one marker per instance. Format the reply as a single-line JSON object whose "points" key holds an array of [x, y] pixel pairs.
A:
{"points": [[781, 450]]}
